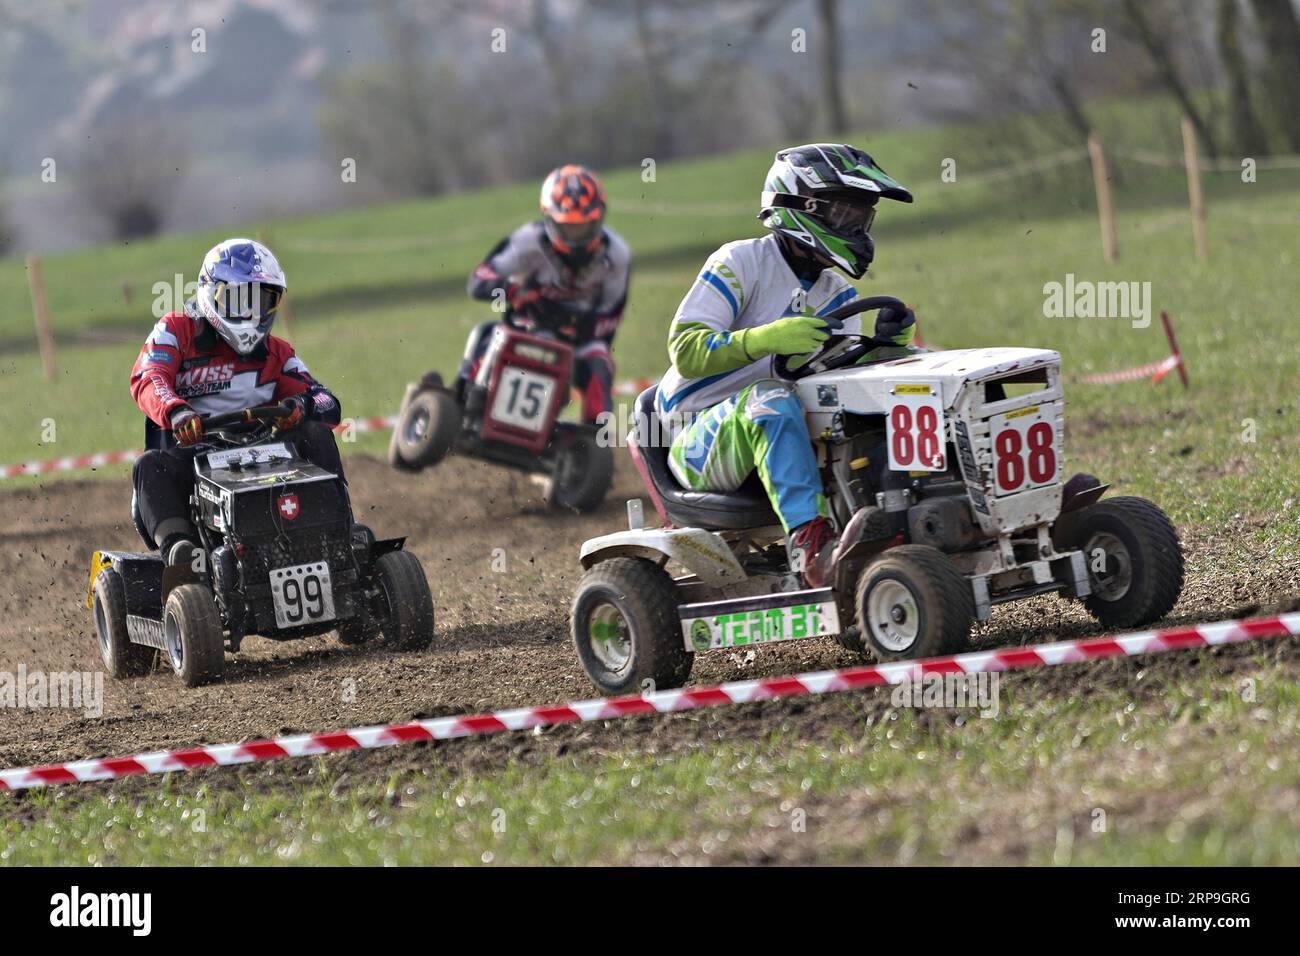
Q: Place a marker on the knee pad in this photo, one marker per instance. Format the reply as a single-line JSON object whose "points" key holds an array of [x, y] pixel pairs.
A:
{"points": [[770, 396]]}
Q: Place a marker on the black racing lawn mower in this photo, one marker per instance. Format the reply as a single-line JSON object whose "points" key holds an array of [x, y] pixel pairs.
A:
{"points": [[279, 555]]}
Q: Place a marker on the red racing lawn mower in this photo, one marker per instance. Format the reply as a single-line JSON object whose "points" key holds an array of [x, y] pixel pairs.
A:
{"points": [[507, 412]]}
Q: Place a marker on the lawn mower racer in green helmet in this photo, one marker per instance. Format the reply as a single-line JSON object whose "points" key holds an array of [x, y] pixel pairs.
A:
{"points": [[756, 299], [822, 198]]}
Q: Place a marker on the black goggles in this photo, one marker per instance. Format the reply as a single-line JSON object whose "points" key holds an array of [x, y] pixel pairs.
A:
{"points": [[844, 215], [248, 300], [577, 233], [847, 216]]}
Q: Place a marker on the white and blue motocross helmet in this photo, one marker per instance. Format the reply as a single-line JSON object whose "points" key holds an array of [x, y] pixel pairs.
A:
{"points": [[240, 288]]}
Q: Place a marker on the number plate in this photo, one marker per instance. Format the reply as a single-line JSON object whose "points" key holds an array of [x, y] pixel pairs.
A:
{"points": [[257, 454], [523, 398], [1024, 450], [914, 429], [302, 594], [759, 626]]}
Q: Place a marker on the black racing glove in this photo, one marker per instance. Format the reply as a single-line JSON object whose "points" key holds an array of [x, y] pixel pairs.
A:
{"points": [[896, 327], [302, 407]]}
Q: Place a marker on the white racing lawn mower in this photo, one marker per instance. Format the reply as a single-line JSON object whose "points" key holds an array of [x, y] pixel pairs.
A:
{"points": [[942, 471]]}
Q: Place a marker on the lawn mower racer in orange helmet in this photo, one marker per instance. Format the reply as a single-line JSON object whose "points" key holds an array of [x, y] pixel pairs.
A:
{"points": [[573, 211]]}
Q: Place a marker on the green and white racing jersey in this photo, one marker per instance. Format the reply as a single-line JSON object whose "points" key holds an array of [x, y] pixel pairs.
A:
{"points": [[744, 284]]}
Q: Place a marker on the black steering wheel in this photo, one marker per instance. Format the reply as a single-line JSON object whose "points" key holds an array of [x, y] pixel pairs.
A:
{"points": [[837, 353], [245, 426], [557, 318]]}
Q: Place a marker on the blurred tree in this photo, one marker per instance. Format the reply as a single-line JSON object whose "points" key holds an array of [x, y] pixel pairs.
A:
{"points": [[7, 238], [407, 121], [1025, 56], [829, 62], [1247, 136], [128, 174], [1154, 26], [1280, 33]]}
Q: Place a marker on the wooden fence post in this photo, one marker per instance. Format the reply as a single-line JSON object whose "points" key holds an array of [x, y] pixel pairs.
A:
{"points": [[41, 309], [1105, 204], [1192, 161]]}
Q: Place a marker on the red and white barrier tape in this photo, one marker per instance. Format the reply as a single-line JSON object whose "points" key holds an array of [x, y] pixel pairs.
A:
{"points": [[83, 462], [634, 386], [76, 463], [660, 702], [1155, 371]]}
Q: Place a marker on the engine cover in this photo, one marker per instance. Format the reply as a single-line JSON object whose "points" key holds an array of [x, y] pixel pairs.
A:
{"points": [[944, 523]]}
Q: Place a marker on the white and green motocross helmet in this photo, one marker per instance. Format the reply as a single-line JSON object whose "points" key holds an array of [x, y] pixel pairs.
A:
{"points": [[823, 196]]}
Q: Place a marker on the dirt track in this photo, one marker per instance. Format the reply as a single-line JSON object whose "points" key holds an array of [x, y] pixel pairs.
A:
{"points": [[502, 636]]}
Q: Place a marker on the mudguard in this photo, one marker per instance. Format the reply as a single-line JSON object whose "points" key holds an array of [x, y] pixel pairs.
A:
{"points": [[703, 553], [142, 579]]}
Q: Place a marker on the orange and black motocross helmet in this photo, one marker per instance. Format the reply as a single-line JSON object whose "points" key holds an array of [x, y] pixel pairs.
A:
{"points": [[573, 211]]}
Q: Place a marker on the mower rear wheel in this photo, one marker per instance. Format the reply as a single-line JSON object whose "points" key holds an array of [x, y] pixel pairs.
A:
{"points": [[121, 657], [626, 630]]}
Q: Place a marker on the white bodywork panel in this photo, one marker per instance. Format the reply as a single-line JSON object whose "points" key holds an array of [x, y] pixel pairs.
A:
{"points": [[703, 553], [959, 377]]}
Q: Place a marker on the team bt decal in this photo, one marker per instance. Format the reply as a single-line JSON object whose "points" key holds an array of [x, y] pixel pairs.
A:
{"points": [[759, 626]]}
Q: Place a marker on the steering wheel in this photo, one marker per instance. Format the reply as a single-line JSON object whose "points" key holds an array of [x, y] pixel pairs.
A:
{"points": [[835, 352], [557, 318], [245, 426]]}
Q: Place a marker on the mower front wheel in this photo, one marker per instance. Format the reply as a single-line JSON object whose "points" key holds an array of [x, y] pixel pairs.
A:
{"points": [[426, 430], [584, 470], [1134, 559], [912, 602], [196, 643], [408, 604]]}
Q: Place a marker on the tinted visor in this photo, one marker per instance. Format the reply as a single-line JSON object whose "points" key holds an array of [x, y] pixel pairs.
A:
{"points": [[577, 235], [848, 216], [251, 301]]}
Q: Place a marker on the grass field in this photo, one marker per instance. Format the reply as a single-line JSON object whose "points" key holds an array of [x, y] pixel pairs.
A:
{"points": [[1059, 778], [1191, 773]]}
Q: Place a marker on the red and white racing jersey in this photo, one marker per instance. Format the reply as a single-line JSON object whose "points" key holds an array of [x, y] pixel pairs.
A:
{"points": [[597, 289], [184, 362]]}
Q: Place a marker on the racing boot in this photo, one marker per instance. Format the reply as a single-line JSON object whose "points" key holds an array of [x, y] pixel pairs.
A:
{"points": [[180, 553], [868, 528], [811, 549]]}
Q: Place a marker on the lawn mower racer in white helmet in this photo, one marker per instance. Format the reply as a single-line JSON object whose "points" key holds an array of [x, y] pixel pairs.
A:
{"points": [[240, 288], [822, 197]]}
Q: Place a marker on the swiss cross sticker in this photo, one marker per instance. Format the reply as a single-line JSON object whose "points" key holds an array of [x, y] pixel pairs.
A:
{"points": [[289, 506]]}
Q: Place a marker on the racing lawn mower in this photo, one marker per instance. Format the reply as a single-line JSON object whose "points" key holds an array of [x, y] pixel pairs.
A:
{"points": [[507, 414], [947, 463], [280, 555]]}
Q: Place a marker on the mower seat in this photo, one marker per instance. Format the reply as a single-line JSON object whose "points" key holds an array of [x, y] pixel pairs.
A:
{"points": [[746, 507]]}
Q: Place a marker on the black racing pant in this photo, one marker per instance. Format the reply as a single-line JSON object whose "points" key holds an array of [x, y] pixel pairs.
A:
{"points": [[164, 480]]}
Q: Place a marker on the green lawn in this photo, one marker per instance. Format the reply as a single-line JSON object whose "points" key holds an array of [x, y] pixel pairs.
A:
{"points": [[1185, 772]]}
